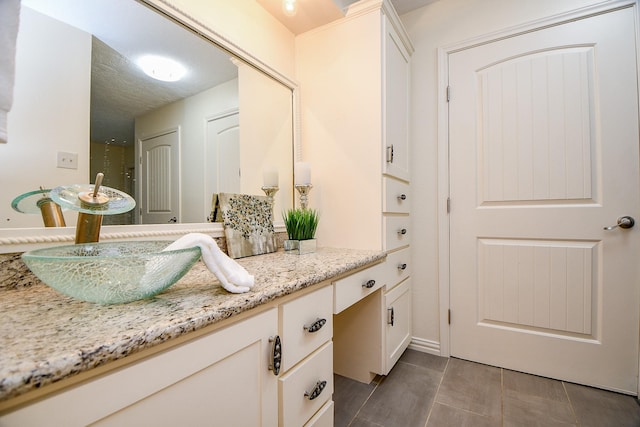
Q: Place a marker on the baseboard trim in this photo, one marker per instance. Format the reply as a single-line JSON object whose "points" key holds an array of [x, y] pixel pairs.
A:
{"points": [[425, 346]]}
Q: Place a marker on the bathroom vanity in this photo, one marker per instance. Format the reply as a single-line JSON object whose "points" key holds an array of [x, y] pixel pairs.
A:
{"points": [[196, 354], [193, 355]]}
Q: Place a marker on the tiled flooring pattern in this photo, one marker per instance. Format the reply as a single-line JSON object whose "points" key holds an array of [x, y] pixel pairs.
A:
{"points": [[426, 390]]}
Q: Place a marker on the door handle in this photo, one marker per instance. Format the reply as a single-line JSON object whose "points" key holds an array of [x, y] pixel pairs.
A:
{"points": [[623, 222]]}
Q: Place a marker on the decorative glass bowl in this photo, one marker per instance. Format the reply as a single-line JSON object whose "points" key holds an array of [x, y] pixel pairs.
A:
{"points": [[112, 272]]}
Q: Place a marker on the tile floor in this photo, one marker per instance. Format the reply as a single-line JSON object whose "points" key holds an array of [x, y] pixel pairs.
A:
{"points": [[426, 390]]}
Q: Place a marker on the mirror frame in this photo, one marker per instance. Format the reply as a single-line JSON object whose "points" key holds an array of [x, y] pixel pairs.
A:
{"points": [[24, 239]]}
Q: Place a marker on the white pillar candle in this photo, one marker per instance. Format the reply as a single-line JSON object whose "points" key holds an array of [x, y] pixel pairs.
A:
{"points": [[270, 178], [302, 173]]}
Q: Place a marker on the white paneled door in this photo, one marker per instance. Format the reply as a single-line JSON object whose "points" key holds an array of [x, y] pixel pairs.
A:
{"points": [[222, 164], [543, 156], [160, 178]]}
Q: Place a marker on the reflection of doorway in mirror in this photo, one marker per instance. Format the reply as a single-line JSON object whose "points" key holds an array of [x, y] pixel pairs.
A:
{"points": [[159, 201], [222, 155], [116, 160]]}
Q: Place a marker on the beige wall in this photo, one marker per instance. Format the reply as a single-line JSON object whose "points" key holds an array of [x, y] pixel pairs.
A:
{"points": [[247, 24], [439, 24], [266, 132]]}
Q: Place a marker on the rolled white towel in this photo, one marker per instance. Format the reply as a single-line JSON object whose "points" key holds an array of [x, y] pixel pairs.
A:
{"points": [[233, 277]]}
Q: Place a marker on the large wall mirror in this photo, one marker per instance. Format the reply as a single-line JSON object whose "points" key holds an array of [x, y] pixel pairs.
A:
{"points": [[83, 104]]}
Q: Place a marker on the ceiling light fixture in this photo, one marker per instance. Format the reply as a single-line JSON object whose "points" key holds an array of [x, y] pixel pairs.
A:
{"points": [[161, 68], [290, 7]]}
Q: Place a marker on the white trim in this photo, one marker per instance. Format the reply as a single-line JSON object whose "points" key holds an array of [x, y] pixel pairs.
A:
{"points": [[637, 23], [425, 346], [443, 136], [539, 24], [171, 11], [16, 240], [443, 195]]}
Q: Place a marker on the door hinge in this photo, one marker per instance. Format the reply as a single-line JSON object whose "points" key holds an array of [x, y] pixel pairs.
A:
{"points": [[449, 316], [448, 93], [448, 204]]}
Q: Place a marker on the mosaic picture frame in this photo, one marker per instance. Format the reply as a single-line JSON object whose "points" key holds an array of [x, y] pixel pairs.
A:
{"points": [[248, 224]]}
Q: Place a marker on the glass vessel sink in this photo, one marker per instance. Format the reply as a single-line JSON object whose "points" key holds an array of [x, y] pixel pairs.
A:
{"points": [[111, 272]]}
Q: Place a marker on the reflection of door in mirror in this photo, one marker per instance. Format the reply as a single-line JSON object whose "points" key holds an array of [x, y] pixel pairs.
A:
{"points": [[159, 201], [222, 164]]}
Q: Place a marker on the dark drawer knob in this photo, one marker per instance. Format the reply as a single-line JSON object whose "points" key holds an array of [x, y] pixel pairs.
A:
{"points": [[369, 284], [317, 390], [276, 354], [315, 326]]}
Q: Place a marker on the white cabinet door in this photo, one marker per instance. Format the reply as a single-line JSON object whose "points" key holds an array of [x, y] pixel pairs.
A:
{"points": [[220, 379], [398, 330], [396, 104]]}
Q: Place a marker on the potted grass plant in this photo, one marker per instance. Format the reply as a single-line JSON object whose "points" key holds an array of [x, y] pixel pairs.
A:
{"points": [[301, 227]]}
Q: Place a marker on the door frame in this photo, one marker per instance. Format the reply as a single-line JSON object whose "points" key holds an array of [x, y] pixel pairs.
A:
{"points": [[443, 136]]}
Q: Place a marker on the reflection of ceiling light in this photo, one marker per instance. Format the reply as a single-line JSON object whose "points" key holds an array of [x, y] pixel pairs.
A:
{"points": [[289, 7], [162, 68]]}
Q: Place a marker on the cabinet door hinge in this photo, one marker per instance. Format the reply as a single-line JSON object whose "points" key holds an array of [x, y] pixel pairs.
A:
{"points": [[448, 204], [449, 316], [448, 93]]}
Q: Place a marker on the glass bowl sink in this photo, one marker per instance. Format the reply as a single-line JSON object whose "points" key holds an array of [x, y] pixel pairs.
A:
{"points": [[111, 272]]}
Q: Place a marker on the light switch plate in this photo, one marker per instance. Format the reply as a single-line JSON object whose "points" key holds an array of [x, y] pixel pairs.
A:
{"points": [[67, 160]]}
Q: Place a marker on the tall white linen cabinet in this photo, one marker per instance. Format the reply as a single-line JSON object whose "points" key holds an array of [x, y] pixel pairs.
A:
{"points": [[354, 95]]}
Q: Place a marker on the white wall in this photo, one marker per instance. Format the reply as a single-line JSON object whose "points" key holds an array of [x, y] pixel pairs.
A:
{"points": [[50, 113], [436, 25]]}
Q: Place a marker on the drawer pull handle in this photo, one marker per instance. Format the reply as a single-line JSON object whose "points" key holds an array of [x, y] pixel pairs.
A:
{"points": [[402, 197], [390, 316], [276, 354], [315, 326], [402, 266], [317, 390], [402, 231], [369, 284]]}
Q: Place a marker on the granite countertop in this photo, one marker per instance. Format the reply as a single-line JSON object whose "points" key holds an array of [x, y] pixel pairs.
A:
{"points": [[46, 337]]}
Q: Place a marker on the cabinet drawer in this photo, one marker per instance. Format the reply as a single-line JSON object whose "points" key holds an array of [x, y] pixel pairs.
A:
{"points": [[396, 232], [305, 324], [294, 387], [398, 267], [352, 289], [396, 196], [324, 417]]}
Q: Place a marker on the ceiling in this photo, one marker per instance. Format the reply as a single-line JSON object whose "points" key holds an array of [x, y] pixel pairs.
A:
{"points": [[314, 13]]}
